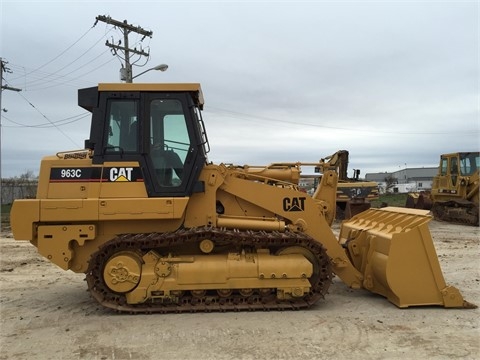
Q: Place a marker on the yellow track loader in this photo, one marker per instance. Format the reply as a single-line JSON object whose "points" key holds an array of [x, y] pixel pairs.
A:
{"points": [[157, 228], [454, 196]]}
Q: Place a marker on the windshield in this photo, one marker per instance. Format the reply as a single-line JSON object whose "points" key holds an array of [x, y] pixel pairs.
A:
{"points": [[469, 163]]}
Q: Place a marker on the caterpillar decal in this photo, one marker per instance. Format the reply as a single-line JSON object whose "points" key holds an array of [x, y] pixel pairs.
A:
{"points": [[294, 204], [93, 174]]}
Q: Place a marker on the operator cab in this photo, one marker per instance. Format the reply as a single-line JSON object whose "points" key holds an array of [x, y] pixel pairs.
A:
{"points": [[458, 164], [157, 125]]}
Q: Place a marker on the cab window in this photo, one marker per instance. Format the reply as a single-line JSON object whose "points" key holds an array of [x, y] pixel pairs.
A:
{"points": [[444, 166], [122, 134], [469, 163]]}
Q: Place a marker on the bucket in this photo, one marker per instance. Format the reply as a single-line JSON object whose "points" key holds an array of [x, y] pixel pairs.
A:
{"points": [[393, 249]]}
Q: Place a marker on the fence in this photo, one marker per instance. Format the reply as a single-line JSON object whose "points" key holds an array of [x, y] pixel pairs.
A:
{"points": [[17, 188]]}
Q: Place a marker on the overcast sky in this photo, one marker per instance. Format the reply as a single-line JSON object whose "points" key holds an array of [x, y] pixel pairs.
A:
{"points": [[394, 82]]}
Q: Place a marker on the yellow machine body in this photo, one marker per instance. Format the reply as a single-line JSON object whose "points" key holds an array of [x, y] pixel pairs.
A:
{"points": [[454, 196], [158, 233]]}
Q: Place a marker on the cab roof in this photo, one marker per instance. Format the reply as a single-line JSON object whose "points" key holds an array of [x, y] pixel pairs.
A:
{"points": [[86, 96]]}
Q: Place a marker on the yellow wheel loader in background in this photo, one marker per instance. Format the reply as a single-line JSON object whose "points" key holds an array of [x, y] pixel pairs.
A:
{"points": [[157, 228], [353, 194], [454, 196]]}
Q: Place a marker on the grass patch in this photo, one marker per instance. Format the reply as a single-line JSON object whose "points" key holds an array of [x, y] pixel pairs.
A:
{"points": [[398, 200], [6, 215]]}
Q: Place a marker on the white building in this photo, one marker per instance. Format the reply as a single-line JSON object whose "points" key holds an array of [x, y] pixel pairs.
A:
{"points": [[405, 180]]}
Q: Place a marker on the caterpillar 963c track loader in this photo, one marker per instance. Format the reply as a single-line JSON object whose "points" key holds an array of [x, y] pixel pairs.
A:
{"points": [[156, 228]]}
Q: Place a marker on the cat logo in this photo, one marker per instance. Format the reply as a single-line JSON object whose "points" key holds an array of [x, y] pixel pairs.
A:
{"points": [[294, 204], [121, 174]]}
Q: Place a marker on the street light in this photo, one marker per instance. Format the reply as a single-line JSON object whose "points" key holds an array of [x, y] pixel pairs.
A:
{"points": [[161, 67]]}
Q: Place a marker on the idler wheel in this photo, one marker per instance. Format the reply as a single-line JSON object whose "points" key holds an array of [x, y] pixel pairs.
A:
{"points": [[122, 271]]}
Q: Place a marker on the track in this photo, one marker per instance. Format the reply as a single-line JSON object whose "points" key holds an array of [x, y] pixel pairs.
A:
{"points": [[456, 212], [213, 300]]}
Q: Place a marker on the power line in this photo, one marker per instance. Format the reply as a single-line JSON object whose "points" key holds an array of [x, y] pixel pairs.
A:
{"points": [[69, 80], [253, 118], [60, 54], [51, 122], [40, 77], [77, 58], [64, 80], [62, 122], [56, 80]]}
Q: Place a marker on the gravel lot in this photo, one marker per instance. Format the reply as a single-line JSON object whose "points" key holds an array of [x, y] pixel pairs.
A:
{"points": [[46, 313]]}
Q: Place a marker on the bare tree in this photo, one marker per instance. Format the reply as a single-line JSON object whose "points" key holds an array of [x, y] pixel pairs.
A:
{"points": [[390, 181]]}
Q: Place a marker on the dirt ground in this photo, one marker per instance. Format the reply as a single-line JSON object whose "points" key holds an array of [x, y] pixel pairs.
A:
{"points": [[46, 313]]}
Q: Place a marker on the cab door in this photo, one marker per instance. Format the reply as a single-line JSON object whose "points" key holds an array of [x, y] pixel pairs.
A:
{"points": [[172, 149]]}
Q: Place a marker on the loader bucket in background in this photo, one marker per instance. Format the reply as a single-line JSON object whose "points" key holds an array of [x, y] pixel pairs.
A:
{"points": [[355, 207], [418, 201], [393, 249]]}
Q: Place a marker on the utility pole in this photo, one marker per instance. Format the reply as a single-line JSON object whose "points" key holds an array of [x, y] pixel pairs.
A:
{"points": [[3, 65], [126, 72]]}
